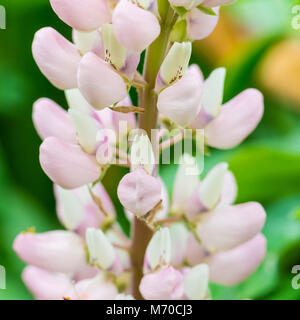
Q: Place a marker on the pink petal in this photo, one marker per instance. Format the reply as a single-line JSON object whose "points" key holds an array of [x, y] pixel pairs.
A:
{"points": [[51, 120], [215, 3], [200, 25], [161, 213], [57, 251], [135, 28], [67, 164], [93, 289], [99, 83], [57, 58], [237, 119], [93, 216], [164, 284], [195, 252], [230, 226], [45, 285], [139, 192], [233, 266], [181, 101], [82, 15]]}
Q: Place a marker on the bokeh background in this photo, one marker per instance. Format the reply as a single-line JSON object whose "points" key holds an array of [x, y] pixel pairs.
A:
{"points": [[255, 41]]}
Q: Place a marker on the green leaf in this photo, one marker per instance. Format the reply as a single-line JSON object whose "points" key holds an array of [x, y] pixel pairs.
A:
{"points": [[208, 11], [178, 33], [180, 10]]}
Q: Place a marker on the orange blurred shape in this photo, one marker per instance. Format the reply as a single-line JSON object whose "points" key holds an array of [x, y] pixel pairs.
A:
{"points": [[225, 44], [279, 70]]}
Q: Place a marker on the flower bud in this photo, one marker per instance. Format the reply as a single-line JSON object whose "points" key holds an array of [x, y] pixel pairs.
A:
{"points": [[84, 15], [51, 120], [207, 196], [158, 252], [229, 268], [181, 101], [57, 251], [101, 251], [196, 282], [45, 285], [99, 83], [86, 129], [164, 284], [139, 192], [141, 154], [134, 27], [230, 226], [199, 24], [174, 65], [97, 288], [212, 97], [117, 55], [67, 164], [57, 58], [237, 119]]}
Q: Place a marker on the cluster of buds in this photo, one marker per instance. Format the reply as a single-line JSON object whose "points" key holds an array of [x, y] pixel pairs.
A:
{"points": [[199, 236]]}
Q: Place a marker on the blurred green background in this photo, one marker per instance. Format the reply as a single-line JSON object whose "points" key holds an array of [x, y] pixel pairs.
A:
{"points": [[256, 42]]}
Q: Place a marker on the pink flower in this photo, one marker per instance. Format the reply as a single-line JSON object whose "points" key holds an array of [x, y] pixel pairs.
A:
{"points": [[50, 120], [135, 27], [45, 285], [235, 265], [99, 83], [199, 24], [164, 284], [67, 164], [181, 101], [57, 58], [227, 126], [77, 211], [56, 251], [139, 192], [96, 288], [82, 15]]}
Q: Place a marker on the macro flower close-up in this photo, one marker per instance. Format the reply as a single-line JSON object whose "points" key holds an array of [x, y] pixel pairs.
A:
{"points": [[149, 150]]}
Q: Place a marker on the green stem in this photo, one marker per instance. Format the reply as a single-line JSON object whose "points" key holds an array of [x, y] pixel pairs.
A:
{"points": [[141, 233]]}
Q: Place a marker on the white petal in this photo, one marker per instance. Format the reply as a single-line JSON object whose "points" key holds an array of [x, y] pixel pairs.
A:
{"points": [[186, 181], [213, 88], [115, 53], [196, 282], [86, 129], [86, 41], [176, 62], [211, 186], [77, 101], [159, 248], [72, 211], [100, 249]]}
